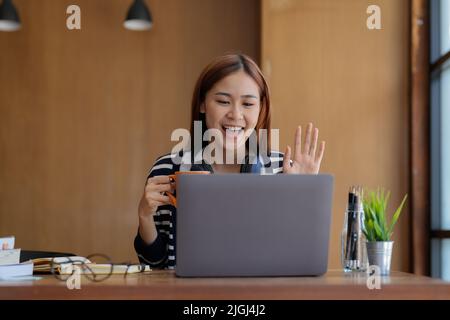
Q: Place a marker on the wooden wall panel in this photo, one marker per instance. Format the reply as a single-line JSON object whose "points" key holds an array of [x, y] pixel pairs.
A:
{"points": [[325, 66], [83, 114], [420, 137]]}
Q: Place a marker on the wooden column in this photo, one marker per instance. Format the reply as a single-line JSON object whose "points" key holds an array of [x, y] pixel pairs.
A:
{"points": [[420, 138]]}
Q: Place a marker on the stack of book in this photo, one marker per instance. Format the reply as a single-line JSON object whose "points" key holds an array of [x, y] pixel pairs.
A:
{"points": [[12, 269], [10, 266]]}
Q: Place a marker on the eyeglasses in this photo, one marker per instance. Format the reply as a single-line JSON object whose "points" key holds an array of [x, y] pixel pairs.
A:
{"points": [[96, 267]]}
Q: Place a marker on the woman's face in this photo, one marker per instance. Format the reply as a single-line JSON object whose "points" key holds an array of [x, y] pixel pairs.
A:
{"points": [[232, 106]]}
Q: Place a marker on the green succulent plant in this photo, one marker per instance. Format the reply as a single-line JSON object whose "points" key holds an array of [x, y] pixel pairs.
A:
{"points": [[376, 226]]}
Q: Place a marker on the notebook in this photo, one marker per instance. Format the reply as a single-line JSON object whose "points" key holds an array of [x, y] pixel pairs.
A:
{"points": [[18, 271]]}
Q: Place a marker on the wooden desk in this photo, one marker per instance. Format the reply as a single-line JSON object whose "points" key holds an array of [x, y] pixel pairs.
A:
{"points": [[165, 285]]}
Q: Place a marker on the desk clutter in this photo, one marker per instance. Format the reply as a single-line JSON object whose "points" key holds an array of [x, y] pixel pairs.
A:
{"points": [[68, 265], [10, 266], [11, 269]]}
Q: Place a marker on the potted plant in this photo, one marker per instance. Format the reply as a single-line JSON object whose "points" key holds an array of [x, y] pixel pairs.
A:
{"points": [[377, 230]]}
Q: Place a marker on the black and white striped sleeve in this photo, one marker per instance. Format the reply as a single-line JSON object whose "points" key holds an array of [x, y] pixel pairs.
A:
{"points": [[156, 254]]}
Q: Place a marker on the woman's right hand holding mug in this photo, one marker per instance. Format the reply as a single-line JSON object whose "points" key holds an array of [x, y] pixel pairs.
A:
{"points": [[155, 195]]}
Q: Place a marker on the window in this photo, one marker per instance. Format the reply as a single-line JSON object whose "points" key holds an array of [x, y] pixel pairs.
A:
{"points": [[440, 137]]}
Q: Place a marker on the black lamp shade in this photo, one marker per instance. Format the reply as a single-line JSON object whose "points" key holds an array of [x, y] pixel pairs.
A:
{"points": [[9, 19], [138, 17]]}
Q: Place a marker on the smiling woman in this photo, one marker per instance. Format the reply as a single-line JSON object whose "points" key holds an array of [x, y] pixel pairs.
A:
{"points": [[231, 97], [232, 106], [232, 93]]}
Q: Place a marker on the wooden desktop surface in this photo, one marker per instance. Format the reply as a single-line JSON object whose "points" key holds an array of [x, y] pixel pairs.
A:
{"points": [[165, 285]]}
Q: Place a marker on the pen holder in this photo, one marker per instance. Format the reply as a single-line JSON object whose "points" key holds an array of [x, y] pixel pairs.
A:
{"points": [[353, 242]]}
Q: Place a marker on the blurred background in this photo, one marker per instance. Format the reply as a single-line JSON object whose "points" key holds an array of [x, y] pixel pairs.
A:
{"points": [[84, 113]]}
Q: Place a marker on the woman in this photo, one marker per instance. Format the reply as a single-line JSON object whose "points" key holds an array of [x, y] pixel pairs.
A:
{"points": [[232, 97]]}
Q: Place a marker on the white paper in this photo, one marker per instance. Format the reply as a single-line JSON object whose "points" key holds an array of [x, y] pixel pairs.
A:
{"points": [[9, 256]]}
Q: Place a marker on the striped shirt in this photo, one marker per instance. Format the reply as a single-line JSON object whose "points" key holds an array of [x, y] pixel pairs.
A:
{"points": [[161, 253]]}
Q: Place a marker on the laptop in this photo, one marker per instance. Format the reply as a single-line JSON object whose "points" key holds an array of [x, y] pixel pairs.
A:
{"points": [[249, 225]]}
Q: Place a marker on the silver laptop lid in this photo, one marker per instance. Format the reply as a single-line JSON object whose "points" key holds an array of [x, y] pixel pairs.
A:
{"points": [[253, 225]]}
